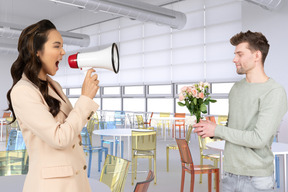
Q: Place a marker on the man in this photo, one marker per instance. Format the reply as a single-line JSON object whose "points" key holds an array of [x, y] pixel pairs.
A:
{"points": [[256, 106]]}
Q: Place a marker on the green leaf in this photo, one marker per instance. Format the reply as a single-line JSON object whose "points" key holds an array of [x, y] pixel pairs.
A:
{"points": [[213, 101], [195, 101], [181, 104], [203, 107]]}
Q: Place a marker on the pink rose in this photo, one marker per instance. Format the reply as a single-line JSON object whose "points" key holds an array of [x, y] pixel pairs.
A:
{"points": [[201, 95], [181, 97], [194, 92]]}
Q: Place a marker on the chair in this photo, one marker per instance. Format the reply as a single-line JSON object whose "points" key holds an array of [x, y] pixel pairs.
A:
{"points": [[119, 117], [88, 148], [108, 125], [180, 123], [141, 123], [11, 126], [114, 173], [15, 141], [277, 170], [188, 166], [202, 145], [13, 162], [163, 123], [175, 147], [143, 146], [148, 123], [143, 186], [222, 120]]}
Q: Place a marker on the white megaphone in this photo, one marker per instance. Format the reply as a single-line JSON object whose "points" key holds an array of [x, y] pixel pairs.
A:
{"points": [[106, 58]]}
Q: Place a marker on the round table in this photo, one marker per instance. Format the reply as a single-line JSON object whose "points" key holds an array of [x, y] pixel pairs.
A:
{"points": [[118, 133]]}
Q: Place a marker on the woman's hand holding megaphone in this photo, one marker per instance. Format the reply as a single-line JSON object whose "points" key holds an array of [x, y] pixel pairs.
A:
{"points": [[90, 85]]}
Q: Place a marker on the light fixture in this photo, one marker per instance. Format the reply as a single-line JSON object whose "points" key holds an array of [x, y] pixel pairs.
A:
{"points": [[132, 9], [267, 4], [12, 32]]}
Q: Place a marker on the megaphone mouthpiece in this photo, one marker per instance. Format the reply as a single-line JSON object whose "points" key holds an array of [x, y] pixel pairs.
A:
{"points": [[107, 59]]}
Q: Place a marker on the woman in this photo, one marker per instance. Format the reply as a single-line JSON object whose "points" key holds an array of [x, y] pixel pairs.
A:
{"points": [[50, 126]]}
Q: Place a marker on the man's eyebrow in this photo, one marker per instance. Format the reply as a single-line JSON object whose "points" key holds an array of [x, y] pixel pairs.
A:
{"points": [[57, 42], [237, 52]]}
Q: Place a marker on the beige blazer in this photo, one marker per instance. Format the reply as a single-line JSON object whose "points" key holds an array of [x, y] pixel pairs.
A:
{"points": [[56, 158]]}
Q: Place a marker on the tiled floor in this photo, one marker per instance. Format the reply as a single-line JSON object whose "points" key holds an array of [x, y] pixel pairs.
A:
{"points": [[166, 181]]}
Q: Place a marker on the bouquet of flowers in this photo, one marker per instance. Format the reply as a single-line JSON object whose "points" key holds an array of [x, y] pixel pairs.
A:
{"points": [[196, 98]]}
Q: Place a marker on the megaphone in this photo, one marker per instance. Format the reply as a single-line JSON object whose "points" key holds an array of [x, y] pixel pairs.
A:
{"points": [[106, 58]]}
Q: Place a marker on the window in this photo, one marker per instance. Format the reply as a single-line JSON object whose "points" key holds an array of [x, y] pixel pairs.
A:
{"points": [[159, 89], [134, 90], [111, 90], [75, 91], [221, 87], [220, 107], [111, 104], [134, 104], [160, 105]]}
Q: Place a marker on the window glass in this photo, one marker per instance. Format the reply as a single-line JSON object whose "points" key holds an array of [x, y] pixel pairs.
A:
{"points": [[73, 101], [220, 107], [134, 90], [221, 87], [111, 104], [160, 89], [75, 91], [97, 100], [134, 104], [111, 91], [160, 105]]}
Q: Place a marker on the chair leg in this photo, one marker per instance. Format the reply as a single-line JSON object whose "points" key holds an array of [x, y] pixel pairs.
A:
{"points": [[99, 160], [215, 165], [132, 170], [155, 169], [89, 164], [192, 183], [167, 158], [182, 180], [217, 176], [135, 170], [209, 182], [201, 163]]}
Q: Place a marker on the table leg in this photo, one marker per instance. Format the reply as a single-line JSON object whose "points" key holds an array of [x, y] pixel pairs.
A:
{"points": [[114, 145], [221, 164], [285, 172], [120, 140], [129, 148]]}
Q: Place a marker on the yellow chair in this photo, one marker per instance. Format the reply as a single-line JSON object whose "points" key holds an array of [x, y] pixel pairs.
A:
{"points": [[143, 146], [223, 120], [175, 147], [13, 162], [114, 173], [163, 123], [141, 123]]}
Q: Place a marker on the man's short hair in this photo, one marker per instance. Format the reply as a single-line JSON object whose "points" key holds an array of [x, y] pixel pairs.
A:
{"points": [[256, 41]]}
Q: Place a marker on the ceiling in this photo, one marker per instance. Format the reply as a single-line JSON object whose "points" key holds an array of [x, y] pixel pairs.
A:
{"points": [[66, 18]]}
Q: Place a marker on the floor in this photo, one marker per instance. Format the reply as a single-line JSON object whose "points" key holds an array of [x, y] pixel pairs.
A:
{"points": [[166, 181]]}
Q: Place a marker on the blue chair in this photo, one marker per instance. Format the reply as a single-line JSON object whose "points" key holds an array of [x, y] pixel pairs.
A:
{"points": [[88, 148], [112, 125], [277, 170], [119, 117], [15, 141]]}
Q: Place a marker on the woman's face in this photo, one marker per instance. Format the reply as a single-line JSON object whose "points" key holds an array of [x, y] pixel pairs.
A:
{"points": [[51, 54]]}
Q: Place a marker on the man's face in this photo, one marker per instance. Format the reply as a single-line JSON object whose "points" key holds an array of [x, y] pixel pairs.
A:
{"points": [[244, 58]]}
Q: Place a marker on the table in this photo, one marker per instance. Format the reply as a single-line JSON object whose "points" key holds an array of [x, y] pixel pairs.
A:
{"points": [[163, 119], [15, 183], [118, 133], [277, 149], [2, 120]]}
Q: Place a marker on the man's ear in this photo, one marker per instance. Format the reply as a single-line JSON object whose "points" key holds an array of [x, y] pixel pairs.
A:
{"points": [[258, 55]]}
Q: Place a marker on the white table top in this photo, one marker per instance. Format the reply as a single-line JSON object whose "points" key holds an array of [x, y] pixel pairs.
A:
{"points": [[169, 118], [277, 148], [2, 119], [117, 132], [15, 184]]}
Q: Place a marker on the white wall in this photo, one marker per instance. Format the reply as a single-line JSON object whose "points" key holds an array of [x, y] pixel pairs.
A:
{"points": [[273, 24], [5, 79]]}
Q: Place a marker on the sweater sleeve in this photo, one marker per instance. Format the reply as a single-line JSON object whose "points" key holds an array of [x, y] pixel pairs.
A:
{"points": [[33, 114], [272, 108]]}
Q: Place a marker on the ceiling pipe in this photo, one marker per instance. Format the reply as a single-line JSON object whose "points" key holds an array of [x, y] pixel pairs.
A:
{"points": [[267, 4], [12, 31], [132, 9]]}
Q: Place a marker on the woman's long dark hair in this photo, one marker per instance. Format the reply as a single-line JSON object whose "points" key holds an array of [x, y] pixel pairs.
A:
{"points": [[31, 40]]}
